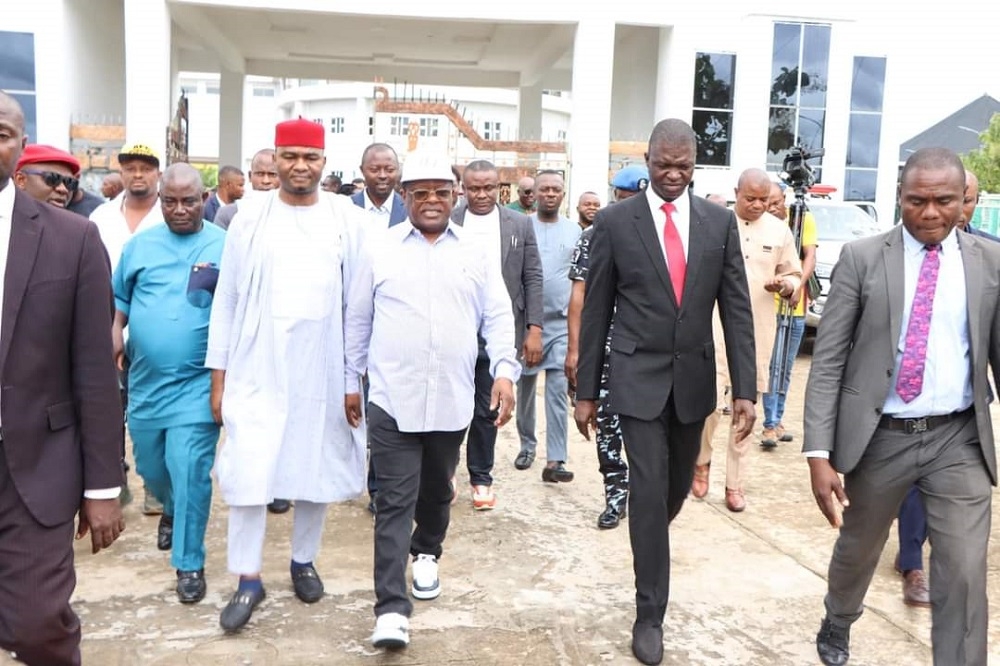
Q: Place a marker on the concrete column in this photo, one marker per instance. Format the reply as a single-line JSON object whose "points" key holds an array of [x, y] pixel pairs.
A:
{"points": [[675, 72], [590, 124], [662, 102], [529, 113], [230, 118], [147, 72]]}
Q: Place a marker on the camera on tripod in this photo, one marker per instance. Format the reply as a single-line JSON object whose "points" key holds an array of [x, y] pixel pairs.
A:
{"points": [[795, 171]]}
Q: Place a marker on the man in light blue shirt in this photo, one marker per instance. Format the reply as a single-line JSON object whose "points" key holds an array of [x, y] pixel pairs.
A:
{"points": [[557, 236], [164, 284], [422, 292]]}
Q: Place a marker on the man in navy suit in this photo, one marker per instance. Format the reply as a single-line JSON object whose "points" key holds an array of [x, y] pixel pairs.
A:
{"points": [[380, 167]]}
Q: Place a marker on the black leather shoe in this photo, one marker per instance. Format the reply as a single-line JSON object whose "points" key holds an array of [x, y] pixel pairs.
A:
{"points": [[647, 643], [610, 518], [239, 609], [833, 644], [524, 459], [165, 533], [279, 506], [307, 584], [557, 474], [190, 586]]}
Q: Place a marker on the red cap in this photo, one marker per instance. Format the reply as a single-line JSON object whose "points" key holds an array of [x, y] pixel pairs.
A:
{"points": [[300, 132], [36, 153]]}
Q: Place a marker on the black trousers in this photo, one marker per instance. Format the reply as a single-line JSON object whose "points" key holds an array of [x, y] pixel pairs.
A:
{"points": [[413, 471], [661, 458], [482, 442], [36, 581]]}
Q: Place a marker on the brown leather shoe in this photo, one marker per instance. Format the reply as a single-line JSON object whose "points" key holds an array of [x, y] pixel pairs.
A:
{"points": [[736, 501], [915, 589], [699, 485]]}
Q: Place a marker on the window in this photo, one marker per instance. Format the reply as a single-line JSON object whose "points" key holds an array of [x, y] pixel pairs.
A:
{"points": [[560, 135], [491, 130], [337, 125], [865, 130], [263, 92], [371, 125], [428, 127], [211, 90], [712, 118], [17, 75], [399, 125], [318, 121], [799, 70], [189, 89]]}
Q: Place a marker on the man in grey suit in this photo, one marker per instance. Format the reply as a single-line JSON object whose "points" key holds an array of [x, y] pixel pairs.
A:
{"points": [[667, 258], [898, 395], [512, 239]]}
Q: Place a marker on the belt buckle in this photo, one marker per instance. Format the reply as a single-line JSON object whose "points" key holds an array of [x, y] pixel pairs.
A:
{"points": [[916, 426]]}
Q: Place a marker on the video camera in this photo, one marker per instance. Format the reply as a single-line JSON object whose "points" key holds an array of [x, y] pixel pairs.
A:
{"points": [[794, 170]]}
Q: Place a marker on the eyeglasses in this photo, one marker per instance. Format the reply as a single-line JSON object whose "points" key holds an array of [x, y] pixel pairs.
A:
{"points": [[53, 179], [423, 195]]}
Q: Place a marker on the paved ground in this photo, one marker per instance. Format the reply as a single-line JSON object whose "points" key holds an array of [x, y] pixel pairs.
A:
{"points": [[533, 582]]}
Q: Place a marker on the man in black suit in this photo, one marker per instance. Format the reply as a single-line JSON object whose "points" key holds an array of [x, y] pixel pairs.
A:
{"points": [[60, 447], [666, 258]]}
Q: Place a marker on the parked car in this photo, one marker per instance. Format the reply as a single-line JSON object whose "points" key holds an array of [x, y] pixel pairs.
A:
{"points": [[836, 223]]}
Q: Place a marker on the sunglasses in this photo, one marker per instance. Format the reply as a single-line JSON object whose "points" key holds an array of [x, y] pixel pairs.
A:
{"points": [[53, 179]]}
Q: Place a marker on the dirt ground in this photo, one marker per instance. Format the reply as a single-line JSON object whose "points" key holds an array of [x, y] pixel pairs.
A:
{"points": [[532, 583]]}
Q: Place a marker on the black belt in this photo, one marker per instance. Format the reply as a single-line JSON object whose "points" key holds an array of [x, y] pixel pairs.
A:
{"points": [[924, 424]]}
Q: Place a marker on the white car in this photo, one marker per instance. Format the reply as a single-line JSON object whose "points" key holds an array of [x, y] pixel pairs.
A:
{"points": [[836, 223]]}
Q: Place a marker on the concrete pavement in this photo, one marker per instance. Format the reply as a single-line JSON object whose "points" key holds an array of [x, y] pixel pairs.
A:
{"points": [[531, 583]]}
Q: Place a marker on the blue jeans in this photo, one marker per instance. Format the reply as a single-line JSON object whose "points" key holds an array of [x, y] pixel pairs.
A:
{"points": [[774, 403]]}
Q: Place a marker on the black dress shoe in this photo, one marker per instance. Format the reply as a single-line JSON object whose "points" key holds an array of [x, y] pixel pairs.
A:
{"points": [[833, 644], [279, 506], [610, 518], [307, 584], [239, 609], [557, 474], [647, 643], [190, 586], [165, 533], [524, 459], [371, 503]]}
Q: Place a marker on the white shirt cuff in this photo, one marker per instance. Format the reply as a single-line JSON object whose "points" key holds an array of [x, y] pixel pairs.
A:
{"points": [[103, 493], [818, 454]]}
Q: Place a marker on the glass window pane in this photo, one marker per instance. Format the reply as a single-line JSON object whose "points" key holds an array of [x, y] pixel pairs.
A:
{"points": [[868, 84], [785, 63], [714, 132], [811, 124], [27, 102], [815, 65], [713, 80], [863, 140], [859, 185], [17, 65], [780, 135]]}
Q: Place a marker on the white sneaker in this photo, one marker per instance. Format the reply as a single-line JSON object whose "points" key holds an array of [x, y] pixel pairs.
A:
{"points": [[392, 631], [426, 584]]}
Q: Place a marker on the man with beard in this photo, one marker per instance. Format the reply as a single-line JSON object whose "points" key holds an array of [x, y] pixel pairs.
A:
{"points": [[47, 174], [289, 258], [586, 209], [380, 168], [422, 378]]}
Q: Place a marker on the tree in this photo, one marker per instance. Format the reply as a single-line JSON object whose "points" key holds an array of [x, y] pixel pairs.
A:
{"points": [[985, 161]]}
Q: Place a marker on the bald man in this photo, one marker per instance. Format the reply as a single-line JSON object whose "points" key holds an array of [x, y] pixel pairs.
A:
{"points": [[112, 185], [773, 267], [164, 285], [263, 177], [525, 202]]}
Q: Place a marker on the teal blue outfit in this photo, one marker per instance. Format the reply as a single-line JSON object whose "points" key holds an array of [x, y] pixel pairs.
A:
{"points": [[164, 283]]}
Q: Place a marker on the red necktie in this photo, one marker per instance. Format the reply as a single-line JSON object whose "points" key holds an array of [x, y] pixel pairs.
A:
{"points": [[676, 263]]}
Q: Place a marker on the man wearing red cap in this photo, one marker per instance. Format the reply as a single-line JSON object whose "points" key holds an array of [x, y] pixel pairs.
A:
{"points": [[276, 349], [47, 174]]}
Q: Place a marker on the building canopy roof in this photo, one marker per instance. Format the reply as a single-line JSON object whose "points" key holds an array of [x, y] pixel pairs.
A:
{"points": [[960, 131]]}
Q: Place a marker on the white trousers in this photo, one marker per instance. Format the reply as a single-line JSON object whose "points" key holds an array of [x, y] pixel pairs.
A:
{"points": [[248, 525]]}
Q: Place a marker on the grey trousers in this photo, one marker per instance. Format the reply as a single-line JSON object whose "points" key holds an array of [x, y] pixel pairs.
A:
{"points": [[947, 465], [556, 414]]}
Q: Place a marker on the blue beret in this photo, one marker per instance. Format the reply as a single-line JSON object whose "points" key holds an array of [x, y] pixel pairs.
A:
{"points": [[633, 178]]}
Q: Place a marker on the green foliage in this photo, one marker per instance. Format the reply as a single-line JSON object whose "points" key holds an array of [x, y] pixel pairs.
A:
{"points": [[209, 175], [985, 162]]}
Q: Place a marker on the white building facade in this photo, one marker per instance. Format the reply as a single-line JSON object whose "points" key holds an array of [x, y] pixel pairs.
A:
{"points": [[752, 83]]}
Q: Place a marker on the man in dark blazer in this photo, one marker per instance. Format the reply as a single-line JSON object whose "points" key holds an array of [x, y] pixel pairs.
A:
{"points": [[60, 412], [898, 395], [512, 242], [667, 258], [380, 168]]}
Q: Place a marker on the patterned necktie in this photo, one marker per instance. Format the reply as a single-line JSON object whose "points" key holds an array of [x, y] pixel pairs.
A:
{"points": [[910, 381], [676, 263]]}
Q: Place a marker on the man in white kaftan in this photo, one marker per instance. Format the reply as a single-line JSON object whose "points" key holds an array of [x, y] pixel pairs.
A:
{"points": [[276, 345]]}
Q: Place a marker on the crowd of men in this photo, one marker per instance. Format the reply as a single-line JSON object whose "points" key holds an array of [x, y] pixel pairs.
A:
{"points": [[274, 314]]}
